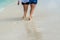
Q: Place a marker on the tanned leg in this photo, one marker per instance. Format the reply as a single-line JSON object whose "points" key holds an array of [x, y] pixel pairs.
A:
{"points": [[32, 10], [25, 7]]}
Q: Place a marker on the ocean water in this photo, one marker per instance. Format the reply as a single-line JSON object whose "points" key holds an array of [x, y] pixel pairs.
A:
{"points": [[4, 3]]}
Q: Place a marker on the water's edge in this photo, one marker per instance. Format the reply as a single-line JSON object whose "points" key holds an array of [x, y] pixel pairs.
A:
{"points": [[3, 5]]}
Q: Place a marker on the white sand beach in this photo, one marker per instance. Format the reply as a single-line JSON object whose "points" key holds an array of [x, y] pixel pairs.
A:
{"points": [[44, 26]]}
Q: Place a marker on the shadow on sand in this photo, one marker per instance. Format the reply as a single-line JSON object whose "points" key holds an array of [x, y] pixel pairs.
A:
{"points": [[11, 19]]}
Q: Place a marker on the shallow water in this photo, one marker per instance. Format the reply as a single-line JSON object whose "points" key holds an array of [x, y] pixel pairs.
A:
{"points": [[4, 3]]}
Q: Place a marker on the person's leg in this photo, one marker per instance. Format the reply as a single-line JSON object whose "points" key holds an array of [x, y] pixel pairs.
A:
{"points": [[25, 7], [32, 10]]}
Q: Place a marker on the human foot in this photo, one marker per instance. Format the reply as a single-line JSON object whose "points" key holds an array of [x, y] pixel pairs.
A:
{"points": [[23, 17], [30, 18]]}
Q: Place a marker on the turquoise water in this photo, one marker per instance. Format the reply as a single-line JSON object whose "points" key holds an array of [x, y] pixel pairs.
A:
{"points": [[4, 3]]}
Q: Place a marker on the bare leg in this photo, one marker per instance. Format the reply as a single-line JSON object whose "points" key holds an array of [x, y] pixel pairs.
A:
{"points": [[25, 7], [32, 10]]}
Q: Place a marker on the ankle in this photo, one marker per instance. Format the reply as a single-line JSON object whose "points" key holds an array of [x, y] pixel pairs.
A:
{"points": [[24, 16], [30, 16]]}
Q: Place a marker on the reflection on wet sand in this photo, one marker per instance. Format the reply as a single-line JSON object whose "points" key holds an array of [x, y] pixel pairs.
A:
{"points": [[32, 32]]}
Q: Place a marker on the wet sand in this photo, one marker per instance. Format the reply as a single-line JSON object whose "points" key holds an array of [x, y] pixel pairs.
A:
{"points": [[44, 26]]}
